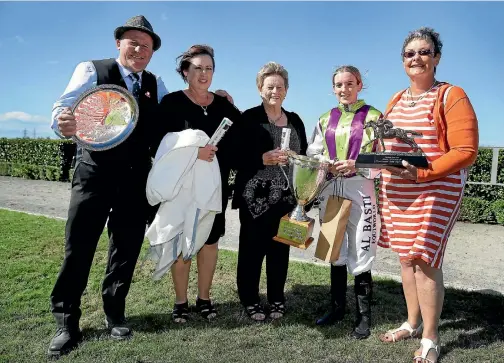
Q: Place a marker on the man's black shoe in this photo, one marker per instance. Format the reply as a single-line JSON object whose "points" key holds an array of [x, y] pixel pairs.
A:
{"points": [[120, 330], [63, 342]]}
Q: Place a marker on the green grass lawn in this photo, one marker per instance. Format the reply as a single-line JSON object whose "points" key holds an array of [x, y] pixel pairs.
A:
{"points": [[31, 253]]}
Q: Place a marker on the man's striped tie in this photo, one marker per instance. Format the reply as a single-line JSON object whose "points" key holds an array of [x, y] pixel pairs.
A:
{"points": [[136, 85]]}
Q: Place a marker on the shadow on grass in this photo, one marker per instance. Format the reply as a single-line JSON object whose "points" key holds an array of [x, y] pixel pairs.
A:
{"points": [[147, 323], [470, 319], [230, 316], [479, 319]]}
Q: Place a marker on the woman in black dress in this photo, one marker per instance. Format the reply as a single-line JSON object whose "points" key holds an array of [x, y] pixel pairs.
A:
{"points": [[260, 192], [198, 108]]}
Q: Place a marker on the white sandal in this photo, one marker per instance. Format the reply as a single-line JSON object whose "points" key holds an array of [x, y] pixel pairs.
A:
{"points": [[427, 345], [413, 333]]}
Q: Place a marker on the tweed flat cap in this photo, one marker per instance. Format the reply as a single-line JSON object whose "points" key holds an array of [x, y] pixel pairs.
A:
{"points": [[139, 22]]}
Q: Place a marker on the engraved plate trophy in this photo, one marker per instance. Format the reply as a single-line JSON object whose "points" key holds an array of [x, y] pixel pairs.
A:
{"points": [[106, 116]]}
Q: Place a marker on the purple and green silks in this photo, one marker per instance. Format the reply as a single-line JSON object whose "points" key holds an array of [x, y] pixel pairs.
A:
{"points": [[344, 130]]}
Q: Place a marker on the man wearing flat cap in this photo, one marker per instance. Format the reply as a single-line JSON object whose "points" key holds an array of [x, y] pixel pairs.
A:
{"points": [[108, 187]]}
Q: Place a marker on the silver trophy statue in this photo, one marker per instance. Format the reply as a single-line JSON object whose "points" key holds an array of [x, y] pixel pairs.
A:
{"points": [[384, 129]]}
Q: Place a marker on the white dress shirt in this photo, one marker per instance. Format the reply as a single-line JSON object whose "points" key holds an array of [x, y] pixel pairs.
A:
{"points": [[84, 78]]}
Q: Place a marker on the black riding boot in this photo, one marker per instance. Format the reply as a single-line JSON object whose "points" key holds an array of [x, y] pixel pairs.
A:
{"points": [[363, 294], [338, 296], [67, 336]]}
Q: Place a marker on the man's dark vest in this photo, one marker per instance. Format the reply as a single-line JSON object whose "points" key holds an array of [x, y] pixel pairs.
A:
{"points": [[135, 150]]}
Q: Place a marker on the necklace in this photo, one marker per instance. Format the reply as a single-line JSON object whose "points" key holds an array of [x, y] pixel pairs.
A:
{"points": [[274, 121], [204, 108], [410, 96]]}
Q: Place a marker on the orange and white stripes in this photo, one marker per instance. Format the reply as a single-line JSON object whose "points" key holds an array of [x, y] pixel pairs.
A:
{"points": [[417, 218]]}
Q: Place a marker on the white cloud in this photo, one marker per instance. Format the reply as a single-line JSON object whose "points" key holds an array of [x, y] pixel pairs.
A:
{"points": [[22, 116], [20, 39], [164, 17]]}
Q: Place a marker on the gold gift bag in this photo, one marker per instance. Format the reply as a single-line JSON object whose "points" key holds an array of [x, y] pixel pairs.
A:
{"points": [[332, 228]]}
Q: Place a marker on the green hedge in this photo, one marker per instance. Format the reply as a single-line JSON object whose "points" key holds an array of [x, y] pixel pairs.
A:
{"points": [[484, 203], [36, 158], [51, 160], [480, 172], [476, 210], [497, 209]]}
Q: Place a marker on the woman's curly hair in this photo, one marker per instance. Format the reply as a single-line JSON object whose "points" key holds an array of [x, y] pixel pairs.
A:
{"points": [[427, 34]]}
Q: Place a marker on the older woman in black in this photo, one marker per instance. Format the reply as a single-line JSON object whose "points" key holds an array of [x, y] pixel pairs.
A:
{"points": [[261, 194]]}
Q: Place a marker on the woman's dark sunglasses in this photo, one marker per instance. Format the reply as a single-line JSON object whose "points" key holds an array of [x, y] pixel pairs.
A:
{"points": [[412, 53]]}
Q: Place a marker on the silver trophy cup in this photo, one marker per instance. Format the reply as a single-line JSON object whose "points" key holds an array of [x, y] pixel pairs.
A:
{"points": [[307, 178]]}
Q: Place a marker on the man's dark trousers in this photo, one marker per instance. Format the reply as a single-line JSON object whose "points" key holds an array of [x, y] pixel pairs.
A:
{"points": [[111, 185], [99, 193]]}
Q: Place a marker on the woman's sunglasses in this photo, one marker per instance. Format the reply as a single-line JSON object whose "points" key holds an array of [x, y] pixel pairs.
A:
{"points": [[412, 53]]}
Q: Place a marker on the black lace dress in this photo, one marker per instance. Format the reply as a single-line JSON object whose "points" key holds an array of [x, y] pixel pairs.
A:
{"points": [[269, 186], [263, 189]]}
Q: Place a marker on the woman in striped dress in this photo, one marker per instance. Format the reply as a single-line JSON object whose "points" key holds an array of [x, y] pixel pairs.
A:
{"points": [[420, 206]]}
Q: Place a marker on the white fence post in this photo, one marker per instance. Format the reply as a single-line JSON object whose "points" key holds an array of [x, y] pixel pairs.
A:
{"points": [[494, 170]]}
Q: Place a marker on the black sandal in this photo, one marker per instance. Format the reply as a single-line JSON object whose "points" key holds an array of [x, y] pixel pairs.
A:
{"points": [[206, 309], [255, 312], [180, 313], [277, 310]]}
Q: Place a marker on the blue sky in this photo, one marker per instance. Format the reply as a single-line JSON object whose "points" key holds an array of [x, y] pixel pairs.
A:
{"points": [[42, 42]]}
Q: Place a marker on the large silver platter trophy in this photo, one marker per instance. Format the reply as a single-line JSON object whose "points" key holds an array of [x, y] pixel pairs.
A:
{"points": [[106, 116]]}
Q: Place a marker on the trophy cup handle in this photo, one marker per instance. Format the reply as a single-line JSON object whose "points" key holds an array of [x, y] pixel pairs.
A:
{"points": [[286, 178]]}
